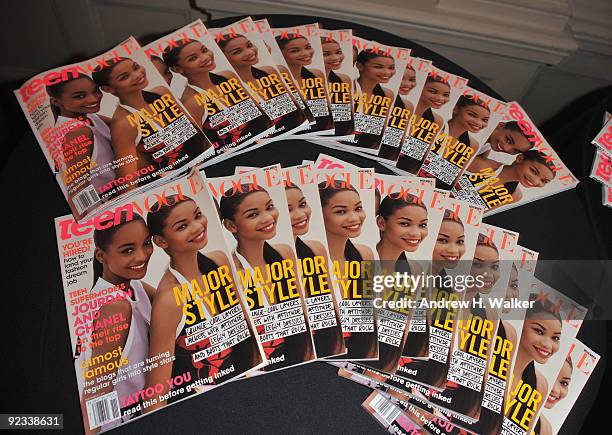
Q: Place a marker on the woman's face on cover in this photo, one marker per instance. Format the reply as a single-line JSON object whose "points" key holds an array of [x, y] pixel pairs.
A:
{"points": [[298, 51], [532, 174], [195, 58], [78, 96], [406, 228], [435, 94], [241, 52], [561, 386], [255, 218], [344, 214], [472, 118], [128, 254], [508, 141], [450, 244], [126, 77], [162, 68], [299, 211], [185, 229], [512, 291], [486, 265], [541, 336], [379, 69], [408, 82], [333, 55]]}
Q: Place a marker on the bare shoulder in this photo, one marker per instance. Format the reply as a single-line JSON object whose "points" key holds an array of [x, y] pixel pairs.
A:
{"points": [[518, 194], [510, 331], [149, 289], [228, 75], [284, 250], [388, 94], [267, 69], [542, 383], [317, 247], [317, 72], [218, 257], [409, 106], [165, 295], [545, 426], [366, 253], [161, 90]]}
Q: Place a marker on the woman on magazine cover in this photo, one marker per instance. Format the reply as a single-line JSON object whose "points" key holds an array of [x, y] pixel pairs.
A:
{"points": [[530, 169], [77, 100], [298, 54], [121, 257], [243, 55], [403, 227], [251, 216], [507, 138], [539, 341], [344, 215], [127, 80], [559, 392], [333, 57], [196, 62], [448, 250], [469, 116], [328, 341], [180, 228]]}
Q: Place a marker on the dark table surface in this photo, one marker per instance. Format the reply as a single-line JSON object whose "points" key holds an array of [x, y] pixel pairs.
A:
{"points": [[39, 374]]}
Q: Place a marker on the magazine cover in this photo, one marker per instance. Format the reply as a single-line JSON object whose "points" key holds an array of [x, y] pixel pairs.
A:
{"points": [[473, 119], [153, 308], [263, 27], [603, 140], [601, 170], [347, 201], [109, 126], [301, 48], [571, 379], [451, 261], [256, 224], [320, 290], [435, 107], [381, 69], [246, 51], [337, 49], [211, 90], [606, 196], [389, 415], [551, 323], [406, 100], [520, 167], [478, 323]]}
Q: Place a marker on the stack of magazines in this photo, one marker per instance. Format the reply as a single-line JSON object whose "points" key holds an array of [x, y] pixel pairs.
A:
{"points": [[602, 164], [176, 282]]}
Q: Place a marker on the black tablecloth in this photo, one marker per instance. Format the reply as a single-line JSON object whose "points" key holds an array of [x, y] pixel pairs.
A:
{"points": [[39, 375]]}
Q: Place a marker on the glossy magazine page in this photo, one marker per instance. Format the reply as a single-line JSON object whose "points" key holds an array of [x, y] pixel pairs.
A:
{"points": [[431, 114], [110, 127], [246, 51], [154, 311], [301, 48], [519, 167], [256, 224], [210, 88]]}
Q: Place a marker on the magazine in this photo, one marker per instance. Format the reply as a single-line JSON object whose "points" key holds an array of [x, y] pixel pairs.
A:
{"points": [[478, 323], [337, 49], [153, 308], [210, 88], [380, 72], [473, 119], [320, 290], [105, 138], [601, 170], [571, 379], [406, 100], [263, 27], [606, 196], [451, 262], [431, 114], [246, 51], [301, 48], [347, 201], [256, 224], [551, 323], [520, 167], [603, 140]]}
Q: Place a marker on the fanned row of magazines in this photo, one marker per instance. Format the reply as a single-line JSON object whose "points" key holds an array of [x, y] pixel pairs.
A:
{"points": [[175, 282], [601, 170]]}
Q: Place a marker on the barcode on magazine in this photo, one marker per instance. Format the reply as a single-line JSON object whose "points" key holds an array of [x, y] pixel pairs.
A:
{"points": [[85, 199], [387, 410], [103, 409]]}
